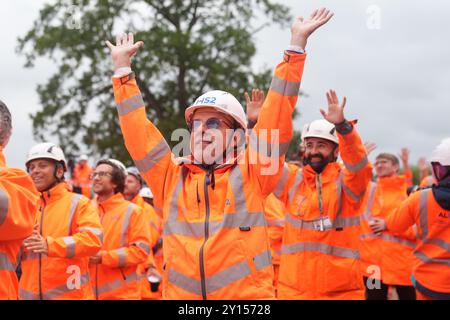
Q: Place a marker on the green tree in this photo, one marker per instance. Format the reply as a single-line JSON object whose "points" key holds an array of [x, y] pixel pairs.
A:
{"points": [[191, 46]]}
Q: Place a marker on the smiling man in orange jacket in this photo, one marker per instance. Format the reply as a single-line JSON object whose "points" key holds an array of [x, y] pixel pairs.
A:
{"points": [[18, 206], [215, 235], [429, 210], [127, 236], [387, 259], [320, 250], [68, 231]]}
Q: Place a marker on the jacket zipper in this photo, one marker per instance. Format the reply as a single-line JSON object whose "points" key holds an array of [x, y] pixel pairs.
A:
{"points": [[319, 191], [202, 261], [41, 296], [96, 265]]}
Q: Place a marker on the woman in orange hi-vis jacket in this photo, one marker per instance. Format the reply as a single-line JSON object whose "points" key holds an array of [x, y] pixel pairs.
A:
{"points": [[387, 259], [18, 206], [55, 258], [126, 242], [133, 184], [320, 250], [215, 236], [429, 209]]}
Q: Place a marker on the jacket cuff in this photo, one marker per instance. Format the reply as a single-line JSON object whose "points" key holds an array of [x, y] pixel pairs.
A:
{"points": [[344, 128], [51, 246]]}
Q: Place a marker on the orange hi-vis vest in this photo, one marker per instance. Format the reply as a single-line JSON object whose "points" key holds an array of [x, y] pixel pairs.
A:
{"points": [[320, 251], [82, 179], [154, 222], [19, 201], [431, 271], [126, 244], [387, 257], [71, 226], [215, 234]]}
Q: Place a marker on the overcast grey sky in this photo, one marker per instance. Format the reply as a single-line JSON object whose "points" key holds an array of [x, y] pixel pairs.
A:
{"points": [[396, 77]]}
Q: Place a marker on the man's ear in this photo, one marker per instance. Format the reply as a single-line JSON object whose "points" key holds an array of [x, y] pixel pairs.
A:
{"points": [[397, 168], [336, 151]]}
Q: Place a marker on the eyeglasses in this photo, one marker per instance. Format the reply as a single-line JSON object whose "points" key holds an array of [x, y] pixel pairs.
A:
{"points": [[211, 123], [100, 174]]}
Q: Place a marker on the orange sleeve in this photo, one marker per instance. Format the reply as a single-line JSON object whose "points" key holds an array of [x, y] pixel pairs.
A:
{"points": [[138, 248], [145, 143], [405, 216], [87, 234], [19, 201], [288, 183], [358, 169], [270, 138], [408, 177]]}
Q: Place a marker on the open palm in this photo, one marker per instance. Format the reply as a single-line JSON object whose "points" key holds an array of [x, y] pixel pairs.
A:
{"points": [[124, 49], [307, 26], [335, 113]]}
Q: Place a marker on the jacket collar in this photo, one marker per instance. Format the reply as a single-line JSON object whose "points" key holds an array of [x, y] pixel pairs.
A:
{"points": [[138, 200], [2, 158], [392, 182], [111, 203], [329, 174], [188, 162], [55, 193]]}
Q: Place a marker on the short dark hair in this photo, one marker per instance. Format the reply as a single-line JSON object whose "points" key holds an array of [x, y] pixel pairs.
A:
{"points": [[389, 156], [5, 123], [118, 176]]}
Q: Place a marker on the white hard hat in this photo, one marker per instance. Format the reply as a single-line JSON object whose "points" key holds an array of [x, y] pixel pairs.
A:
{"points": [[146, 193], [441, 153], [221, 101], [83, 157], [46, 150], [135, 172], [320, 129]]}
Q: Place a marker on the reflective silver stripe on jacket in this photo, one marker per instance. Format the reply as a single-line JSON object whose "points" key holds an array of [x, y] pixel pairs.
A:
{"points": [[320, 247], [220, 279]]}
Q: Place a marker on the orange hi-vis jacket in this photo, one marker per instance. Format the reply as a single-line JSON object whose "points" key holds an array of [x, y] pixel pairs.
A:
{"points": [[387, 257], [154, 222], [275, 211], [19, 201], [215, 233], [71, 226], [427, 181], [431, 271], [82, 178], [320, 251], [126, 244]]}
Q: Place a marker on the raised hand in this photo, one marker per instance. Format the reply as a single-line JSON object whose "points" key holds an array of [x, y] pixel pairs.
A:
{"points": [[404, 156], [124, 49], [370, 146], [335, 113], [302, 28], [422, 164], [254, 104]]}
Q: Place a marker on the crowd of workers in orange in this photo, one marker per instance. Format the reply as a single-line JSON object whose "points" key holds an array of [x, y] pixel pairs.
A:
{"points": [[320, 226]]}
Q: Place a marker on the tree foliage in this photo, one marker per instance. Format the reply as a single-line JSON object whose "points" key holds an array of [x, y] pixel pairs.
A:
{"points": [[191, 46]]}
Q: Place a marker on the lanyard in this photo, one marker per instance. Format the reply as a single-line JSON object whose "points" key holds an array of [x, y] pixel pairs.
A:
{"points": [[319, 191]]}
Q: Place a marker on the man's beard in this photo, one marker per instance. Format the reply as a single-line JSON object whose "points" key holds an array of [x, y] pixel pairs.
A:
{"points": [[319, 166]]}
